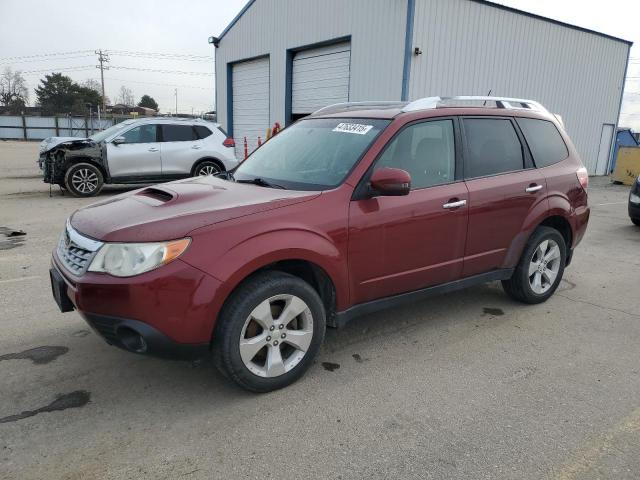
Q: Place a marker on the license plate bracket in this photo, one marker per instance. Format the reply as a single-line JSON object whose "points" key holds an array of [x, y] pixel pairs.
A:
{"points": [[59, 291]]}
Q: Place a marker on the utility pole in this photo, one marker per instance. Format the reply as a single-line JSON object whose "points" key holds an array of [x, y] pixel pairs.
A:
{"points": [[102, 58], [176, 93]]}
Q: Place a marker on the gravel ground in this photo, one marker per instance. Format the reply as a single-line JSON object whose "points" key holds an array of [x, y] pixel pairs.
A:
{"points": [[469, 385]]}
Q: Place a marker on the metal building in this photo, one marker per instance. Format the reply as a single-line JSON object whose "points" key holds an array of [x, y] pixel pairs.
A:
{"points": [[279, 60]]}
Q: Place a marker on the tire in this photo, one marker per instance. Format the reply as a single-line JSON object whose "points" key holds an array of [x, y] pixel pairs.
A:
{"points": [[523, 285], [207, 167], [83, 180], [242, 320], [636, 221]]}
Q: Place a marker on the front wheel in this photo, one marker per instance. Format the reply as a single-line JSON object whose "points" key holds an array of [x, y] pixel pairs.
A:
{"points": [[84, 180], [636, 221], [540, 269], [269, 332]]}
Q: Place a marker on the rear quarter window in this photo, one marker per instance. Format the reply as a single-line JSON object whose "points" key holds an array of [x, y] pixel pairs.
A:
{"points": [[545, 142], [202, 131]]}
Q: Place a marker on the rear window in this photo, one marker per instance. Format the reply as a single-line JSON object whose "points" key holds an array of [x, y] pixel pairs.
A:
{"points": [[178, 133], [493, 147], [202, 131], [544, 140]]}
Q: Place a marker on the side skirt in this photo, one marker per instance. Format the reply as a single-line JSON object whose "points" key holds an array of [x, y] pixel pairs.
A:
{"points": [[342, 318]]}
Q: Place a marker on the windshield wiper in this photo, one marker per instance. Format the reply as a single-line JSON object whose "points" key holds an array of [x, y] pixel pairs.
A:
{"points": [[260, 182]]}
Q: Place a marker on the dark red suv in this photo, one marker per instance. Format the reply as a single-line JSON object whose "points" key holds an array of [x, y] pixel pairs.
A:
{"points": [[353, 209]]}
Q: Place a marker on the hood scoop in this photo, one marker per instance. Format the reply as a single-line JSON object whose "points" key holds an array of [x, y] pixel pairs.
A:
{"points": [[156, 193]]}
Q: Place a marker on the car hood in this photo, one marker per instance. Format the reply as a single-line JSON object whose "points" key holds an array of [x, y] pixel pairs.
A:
{"points": [[48, 143], [172, 210]]}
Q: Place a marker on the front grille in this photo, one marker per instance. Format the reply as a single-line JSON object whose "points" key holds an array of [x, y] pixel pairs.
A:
{"points": [[76, 251]]}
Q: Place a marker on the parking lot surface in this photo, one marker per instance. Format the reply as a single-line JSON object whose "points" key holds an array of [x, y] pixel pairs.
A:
{"points": [[467, 385]]}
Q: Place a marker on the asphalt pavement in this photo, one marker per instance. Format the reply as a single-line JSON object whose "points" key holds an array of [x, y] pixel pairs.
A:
{"points": [[469, 385]]}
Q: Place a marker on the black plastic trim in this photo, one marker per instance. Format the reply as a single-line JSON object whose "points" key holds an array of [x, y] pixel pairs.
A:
{"points": [[157, 343], [342, 318]]}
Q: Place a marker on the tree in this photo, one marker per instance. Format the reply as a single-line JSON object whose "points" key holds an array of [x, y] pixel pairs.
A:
{"points": [[13, 88], [59, 94], [148, 102], [125, 97]]}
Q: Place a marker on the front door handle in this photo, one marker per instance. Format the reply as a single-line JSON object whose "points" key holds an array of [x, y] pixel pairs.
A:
{"points": [[153, 149], [196, 147], [533, 188], [454, 204]]}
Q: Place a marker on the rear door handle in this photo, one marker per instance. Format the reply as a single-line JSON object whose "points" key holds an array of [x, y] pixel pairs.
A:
{"points": [[533, 188], [456, 204], [196, 147], [153, 149]]}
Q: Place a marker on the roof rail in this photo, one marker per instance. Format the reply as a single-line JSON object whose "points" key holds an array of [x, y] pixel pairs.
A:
{"points": [[501, 102], [339, 107]]}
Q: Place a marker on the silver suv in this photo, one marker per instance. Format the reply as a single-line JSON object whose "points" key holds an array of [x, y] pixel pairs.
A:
{"points": [[149, 150]]}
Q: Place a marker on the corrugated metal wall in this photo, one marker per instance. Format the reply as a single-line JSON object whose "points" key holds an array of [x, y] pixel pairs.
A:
{"points": [[470, 48], [274, 26]]}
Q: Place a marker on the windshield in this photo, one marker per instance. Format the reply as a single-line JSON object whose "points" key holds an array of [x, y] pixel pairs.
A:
{"points": [[100, 136], [313, 154]]}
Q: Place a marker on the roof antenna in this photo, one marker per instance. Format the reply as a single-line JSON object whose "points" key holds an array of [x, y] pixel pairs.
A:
{"points": [[488, 95]]}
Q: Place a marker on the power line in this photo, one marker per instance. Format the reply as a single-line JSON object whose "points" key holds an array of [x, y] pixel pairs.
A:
{"points": [[53, 70], [179, 72], [132, 53], [48, 59], [45, 55]]}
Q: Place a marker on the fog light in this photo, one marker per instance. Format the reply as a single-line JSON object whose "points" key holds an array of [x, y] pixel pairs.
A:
{"points": [[132, 340]]}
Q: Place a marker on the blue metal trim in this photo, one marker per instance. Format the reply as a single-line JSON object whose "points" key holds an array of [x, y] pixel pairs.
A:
{"points": [[288, 88], [230, 99], [237, 17], [408, 41]]}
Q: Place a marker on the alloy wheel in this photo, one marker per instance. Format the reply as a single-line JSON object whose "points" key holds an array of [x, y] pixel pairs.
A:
{"points": [[276, 336], [208, 170], [544, 266], [84, 180]]}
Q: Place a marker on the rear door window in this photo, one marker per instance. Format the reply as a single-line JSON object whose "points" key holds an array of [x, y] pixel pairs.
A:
{"points": [[493, 147], [178, 133], [544, 140]]}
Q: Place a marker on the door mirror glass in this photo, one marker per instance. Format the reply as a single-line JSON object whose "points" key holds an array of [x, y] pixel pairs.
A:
{"points": [[119, 140], [390, 182]]}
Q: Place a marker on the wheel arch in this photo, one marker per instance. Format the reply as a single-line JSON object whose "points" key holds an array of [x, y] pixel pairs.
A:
{"points": [[76, 160]]}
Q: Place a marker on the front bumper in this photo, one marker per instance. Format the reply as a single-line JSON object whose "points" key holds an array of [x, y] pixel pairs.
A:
{"points": [[138, 337], [168, 312]]}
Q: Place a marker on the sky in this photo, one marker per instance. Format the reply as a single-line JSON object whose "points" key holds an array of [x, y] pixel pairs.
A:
{"points": [[171, 36]]}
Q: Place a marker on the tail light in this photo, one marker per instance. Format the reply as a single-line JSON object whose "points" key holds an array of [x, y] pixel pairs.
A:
{"points": [[583, 177], [229, 142]]}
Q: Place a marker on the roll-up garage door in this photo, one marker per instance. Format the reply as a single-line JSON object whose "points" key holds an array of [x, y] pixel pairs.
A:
{"points": [[250, 86], [320, 77]]}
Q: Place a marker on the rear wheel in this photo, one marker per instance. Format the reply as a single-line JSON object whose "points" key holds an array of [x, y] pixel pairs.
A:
{"points": [[269, 332], [84, 180], [208, 167], [540, 269]]}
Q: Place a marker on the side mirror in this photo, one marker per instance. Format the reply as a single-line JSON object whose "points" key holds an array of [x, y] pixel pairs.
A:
{"points": [[119, 140], [390, 182]]}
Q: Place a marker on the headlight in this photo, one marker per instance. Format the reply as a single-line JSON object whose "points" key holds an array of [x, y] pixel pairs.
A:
{"points": [[633, 198], [129, 259]]}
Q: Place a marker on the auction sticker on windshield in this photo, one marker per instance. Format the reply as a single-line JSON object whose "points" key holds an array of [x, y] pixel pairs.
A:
{"points": [[356, 128]]}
